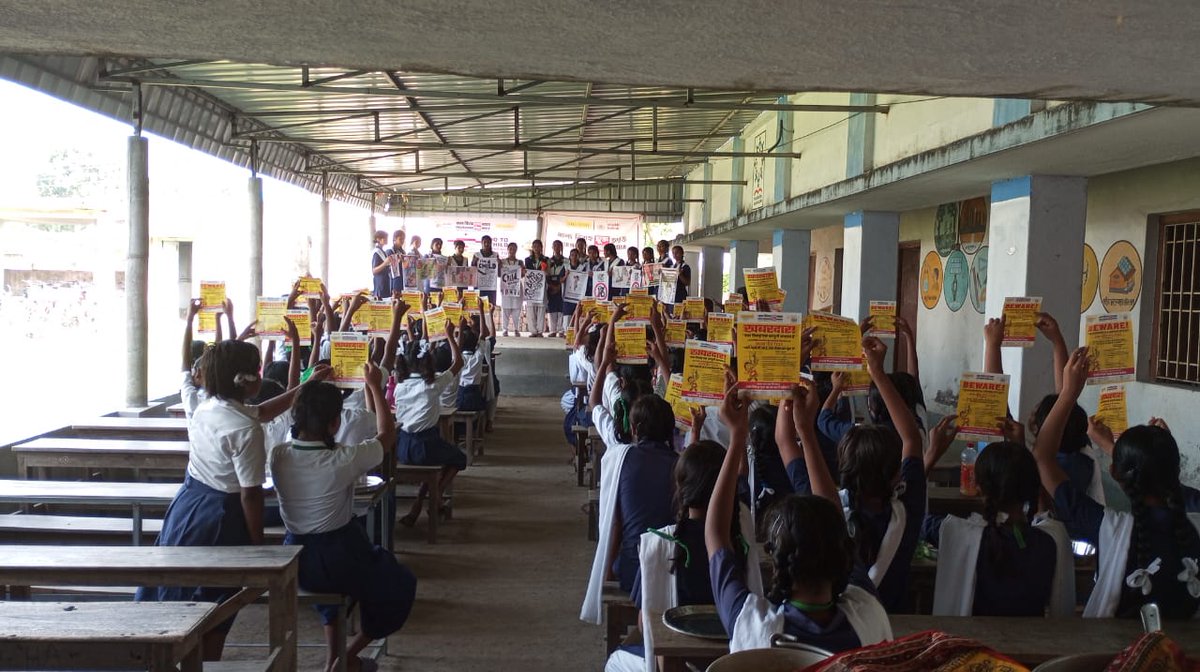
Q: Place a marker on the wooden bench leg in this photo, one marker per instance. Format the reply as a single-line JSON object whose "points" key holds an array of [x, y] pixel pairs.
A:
{"points": [[339, 636], [469, 444], [435, 505]]}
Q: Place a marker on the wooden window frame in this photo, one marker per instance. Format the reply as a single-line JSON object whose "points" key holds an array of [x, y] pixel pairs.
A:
{"points": [[1159, 224]]}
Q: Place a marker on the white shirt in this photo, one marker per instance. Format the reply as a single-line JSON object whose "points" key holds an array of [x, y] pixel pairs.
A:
{"points": [[227, 450], [418, 403], [190, 395], [580, 365], [473, 364], [315, 483], [449, 397], [358, 424]]}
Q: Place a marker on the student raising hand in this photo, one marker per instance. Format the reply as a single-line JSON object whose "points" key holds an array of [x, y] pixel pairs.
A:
{"points": [[735, 414], [804, 407], [902, 416], [940, 439], [1046, 324], [1045, 448], [993, 336]]}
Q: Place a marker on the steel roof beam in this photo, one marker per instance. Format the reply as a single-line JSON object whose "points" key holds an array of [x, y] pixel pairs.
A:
{"points": [[416, 107], [550, 149]]}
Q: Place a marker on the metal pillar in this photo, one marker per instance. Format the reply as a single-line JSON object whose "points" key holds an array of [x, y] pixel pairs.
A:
{"points": [[256, 238], [325, 230], [136, 273]]}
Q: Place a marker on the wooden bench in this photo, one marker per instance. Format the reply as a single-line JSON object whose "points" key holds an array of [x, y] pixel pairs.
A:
{"points": [[473, 423], [620, 614], [137, 496], [593, 515], [103, 530], [431, 477], [159, 636], [254, 569], [112, 427], [99, 454], [949, 500], [581, 451], [176, 411]]}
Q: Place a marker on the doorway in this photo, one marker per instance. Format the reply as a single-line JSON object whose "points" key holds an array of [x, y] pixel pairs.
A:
{"points": [[907, 295]]}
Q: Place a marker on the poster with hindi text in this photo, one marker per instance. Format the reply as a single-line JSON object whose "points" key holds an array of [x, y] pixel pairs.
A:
{"points": [[206, 322], [454, 311], [630, 338], [599, 229], [857, 383], [837, 343], [680, 408], [268, 312], [212, 297], [348, 354], [638, 306], [761, 285], [303, 321], [982, 405], [883, 319], [675, 333], [733, 303], [720, 327], [704, 364], [450, 295], [603, 311], [378, 317], [1109, 339], [1112, 408], [470, 300], [435, 324], [1020, 318], [310, 287], [693, 309], [768, 354]]}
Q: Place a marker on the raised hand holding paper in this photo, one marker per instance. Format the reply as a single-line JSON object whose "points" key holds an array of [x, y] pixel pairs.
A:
{"points": [[720, 327], [982, 403], [1109, 339], [348, 357], [704, 365], [883, 319], [768, 353], [1020, 321], [838, 343]]}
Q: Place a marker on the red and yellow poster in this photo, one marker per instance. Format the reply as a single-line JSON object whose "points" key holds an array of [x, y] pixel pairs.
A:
{"points": [[982, 403], [412, 300], [570, 339], [733, 303], [1020, 318], [768, 353], [1109, 339], [435, 324], [378, 317], [761, 285], [268, 312], [676, 333], [586, 304], [838, 343], [1112, 409], [704, 364], [631, 341], [347, 355], [638, 306], [603, 311], [857, 383], [680, 408], [303, 322], [212, 297], [450, 295], [883, 319], [470, 300], [310, 287], [720, 327], [693, 309], [454, 312], [207, 322]]}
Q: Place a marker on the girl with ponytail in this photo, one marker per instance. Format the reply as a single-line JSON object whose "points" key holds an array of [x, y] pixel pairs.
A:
{"points": [[1147, 555]]}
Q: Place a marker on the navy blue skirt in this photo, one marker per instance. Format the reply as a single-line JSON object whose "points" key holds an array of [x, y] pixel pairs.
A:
{"points": [[344, 561], [470, 398], [200, 516], [554, 303], [427, 448]]}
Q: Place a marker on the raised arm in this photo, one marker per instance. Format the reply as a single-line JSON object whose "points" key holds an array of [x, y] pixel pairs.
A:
{"points": [[804, 418], [785, 431], [940, 439], [385, 424], [227, 306], [294, 358], [193, 309], [455, 350], [1049, 328], [581, 331], [1049, 438], [903, 328], [603, 365], [393, 341], [993, 336], [355, 303], [839, 385], [274, 407], [735, 415], [901, 414]]}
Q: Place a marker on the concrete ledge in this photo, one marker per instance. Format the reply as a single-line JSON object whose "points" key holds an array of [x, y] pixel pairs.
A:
{"points": [[532, 367]]}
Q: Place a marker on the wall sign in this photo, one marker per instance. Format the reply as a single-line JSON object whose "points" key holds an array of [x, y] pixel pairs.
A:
{"points": [[1091, 278], [931, 280], [945, 228], [957, 280], [979, 268], [973, 224], [1120, 277]]}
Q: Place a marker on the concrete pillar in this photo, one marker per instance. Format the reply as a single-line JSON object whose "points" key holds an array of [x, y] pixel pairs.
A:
{"points": [[1036, 248], [256, 240], [707, 218], [790, 249], [742, 254], [371, 224], [184, 252], [871, 254], [860, 137], [324, 259], [711, 272], [137, 260], [692, 259]]}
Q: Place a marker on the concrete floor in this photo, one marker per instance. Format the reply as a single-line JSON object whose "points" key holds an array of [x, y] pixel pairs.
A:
{"points": [[502, 587]]}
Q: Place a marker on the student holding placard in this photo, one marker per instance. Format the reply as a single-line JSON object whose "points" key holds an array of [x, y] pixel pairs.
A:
{"points": [[837, 343], [683, 279], [1109, 340], [768, 354], [982, 403], [630, 337], [556, 273], [704, 365], [487, 268], [348, 355], [761, 285], [882, 319], [719, 327], [1020, 317], [511, 271]]}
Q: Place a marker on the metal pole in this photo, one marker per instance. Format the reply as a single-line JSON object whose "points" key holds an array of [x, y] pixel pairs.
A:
{"points": [[325, 230], [256, 239], [136, 274]]}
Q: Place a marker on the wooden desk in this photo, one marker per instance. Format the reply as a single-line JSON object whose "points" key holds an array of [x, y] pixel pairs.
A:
{"points": [[945, 499], [100, 454], [152, 636], [151, 429], [254, 568], [1030, 641], [134, 495]]}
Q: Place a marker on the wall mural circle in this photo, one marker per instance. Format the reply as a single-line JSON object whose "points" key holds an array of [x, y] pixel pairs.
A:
{"points": [[973, 224], [1091, 278], [931, 280], [945, 228], [979, 269], [956, 280], [1120, 277]]}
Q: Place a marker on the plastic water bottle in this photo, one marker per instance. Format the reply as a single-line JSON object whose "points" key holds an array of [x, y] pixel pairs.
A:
{"points": [[966, 481]]}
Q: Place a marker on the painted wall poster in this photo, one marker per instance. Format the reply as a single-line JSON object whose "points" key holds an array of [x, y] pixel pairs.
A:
{"points": [[758, 171], [931, 280], [1091, 278], [824, 282], [979, 280], [945, 228], [956, 283], [1120, 277], [973, 224]]}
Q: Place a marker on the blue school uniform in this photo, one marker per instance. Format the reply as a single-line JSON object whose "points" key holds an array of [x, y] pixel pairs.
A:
{"points": [[692, 583], [645, 494], [1020, 586], [893, 589], [1079, 467], [417, 409]]}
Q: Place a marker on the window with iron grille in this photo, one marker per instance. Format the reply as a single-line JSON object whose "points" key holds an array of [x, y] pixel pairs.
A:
{"points": [[1177, 323]]}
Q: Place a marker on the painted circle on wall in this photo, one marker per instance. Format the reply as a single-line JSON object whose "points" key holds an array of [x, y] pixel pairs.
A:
{"points": [[945, 228], [979, 269], [931, 280], [1091, 278], [973, 224], [956, 283], [1120, 277]]}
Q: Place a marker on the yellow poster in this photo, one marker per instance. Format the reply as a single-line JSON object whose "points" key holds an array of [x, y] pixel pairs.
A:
{"points": [[693, 309], [1109, 339], [453, 312], [570, 339], [586, 304], [1020, 316], [631, 341], [413, 299], [761, 285], [347, 355], [733, 303], [450, 295], [470, 300], [704, 364], [857, 384], [435, 324], [768, 353], [487, 305], [883, 319], [303, 322], [982, 403], [268, 312], [681, 409], [720, 327], [212, 296], [676, 333], [638, 306], [837, 343], [1112, 409], [310, 287], [379, 317], [639, 291], [603, 311], [207, 323], [435, 298]]}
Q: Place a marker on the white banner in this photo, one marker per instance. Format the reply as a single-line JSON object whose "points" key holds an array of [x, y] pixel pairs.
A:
{"points": [[575, 286], [534, 287], [469, 228], [510, 280], [620, 229]]}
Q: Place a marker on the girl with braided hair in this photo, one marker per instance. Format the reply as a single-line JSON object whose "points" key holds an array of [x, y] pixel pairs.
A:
{"points": [[821, 594], [1147, 555]]}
